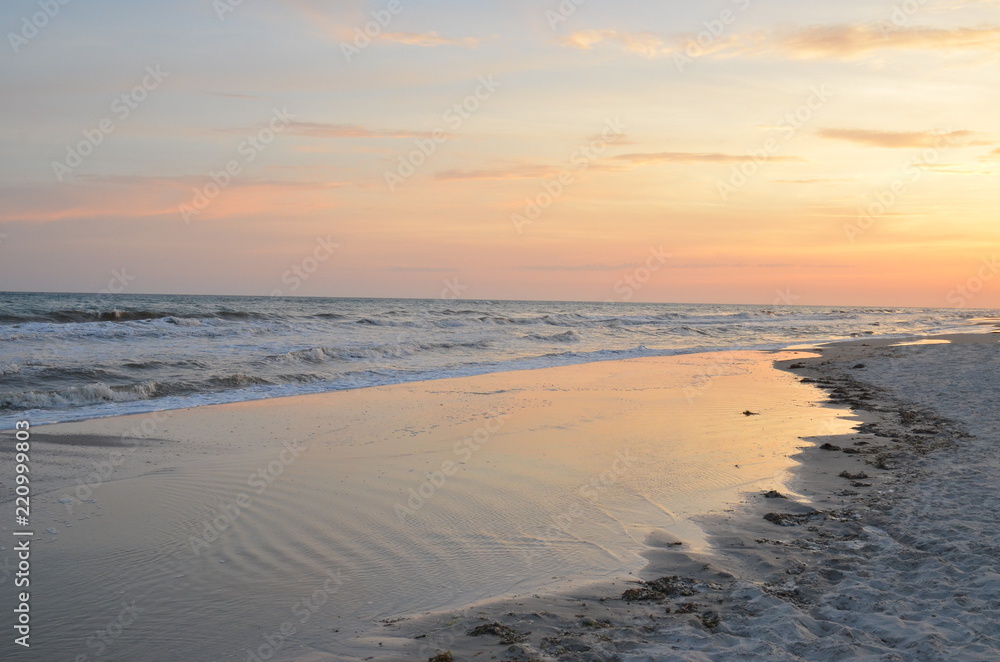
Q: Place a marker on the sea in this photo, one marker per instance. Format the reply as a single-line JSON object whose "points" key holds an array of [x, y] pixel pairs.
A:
{"points": [[66, 357]]}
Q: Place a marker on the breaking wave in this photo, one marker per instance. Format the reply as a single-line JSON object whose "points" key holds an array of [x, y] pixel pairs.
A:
{"points": [[71, 356]]}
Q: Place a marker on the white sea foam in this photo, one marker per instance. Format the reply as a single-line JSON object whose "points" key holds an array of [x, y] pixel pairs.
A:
{"points": [[224, 349]]}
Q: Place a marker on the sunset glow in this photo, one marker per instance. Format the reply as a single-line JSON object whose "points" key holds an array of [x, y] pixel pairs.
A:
{"points": [[727, 151]]}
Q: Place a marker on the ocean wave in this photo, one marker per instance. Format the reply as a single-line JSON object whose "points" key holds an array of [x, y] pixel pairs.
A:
{"points": [[449, 323], [180, 321], [378, 322], [554, 320], [153, 364], [77, 373], [607, 354], [373, 352], [88, 353], [75, 396], [575, 320], [466, 311], [500, 320], [567, 336], [115, 315], [239, 380], [132, 329]]}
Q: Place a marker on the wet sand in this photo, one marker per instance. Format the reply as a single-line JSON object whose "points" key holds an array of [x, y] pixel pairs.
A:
{"points": [[320, 527], [888, 550]]}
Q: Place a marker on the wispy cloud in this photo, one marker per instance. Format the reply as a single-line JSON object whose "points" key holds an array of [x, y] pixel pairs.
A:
{"points": [[185, 181], [428, 39], [691, 157], [578, 267], [622, 162], [688, 265], [323, 130], [773, 265], [851, 41], [647, 44], [811, 181], [339, 20], [620, 140], [336, 19], [945, 6], [513, 172], [900, 139], [835, 42], [956, 169]]}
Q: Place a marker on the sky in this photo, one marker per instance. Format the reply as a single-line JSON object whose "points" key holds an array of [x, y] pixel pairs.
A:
{"points": [[729, 151]]}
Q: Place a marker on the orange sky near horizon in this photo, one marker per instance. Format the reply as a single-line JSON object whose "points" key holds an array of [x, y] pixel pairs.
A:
{"points": [[726, 152]]}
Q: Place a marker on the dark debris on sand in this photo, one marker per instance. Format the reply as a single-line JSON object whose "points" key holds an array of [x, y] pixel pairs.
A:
{"points": [[817, 549], [667, 587], [793, 519], [508, 635], [710, 619]]}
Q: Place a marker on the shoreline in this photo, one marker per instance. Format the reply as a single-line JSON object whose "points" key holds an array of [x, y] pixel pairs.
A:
{"points": [[790, 575], [170, 403], [741, 583], [548, 478], [217, 398]]}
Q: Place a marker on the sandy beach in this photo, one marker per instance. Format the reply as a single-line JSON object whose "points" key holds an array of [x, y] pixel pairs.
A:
{"points": [[886, 552], [540, 510], [561, 331], [412, 498]]}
